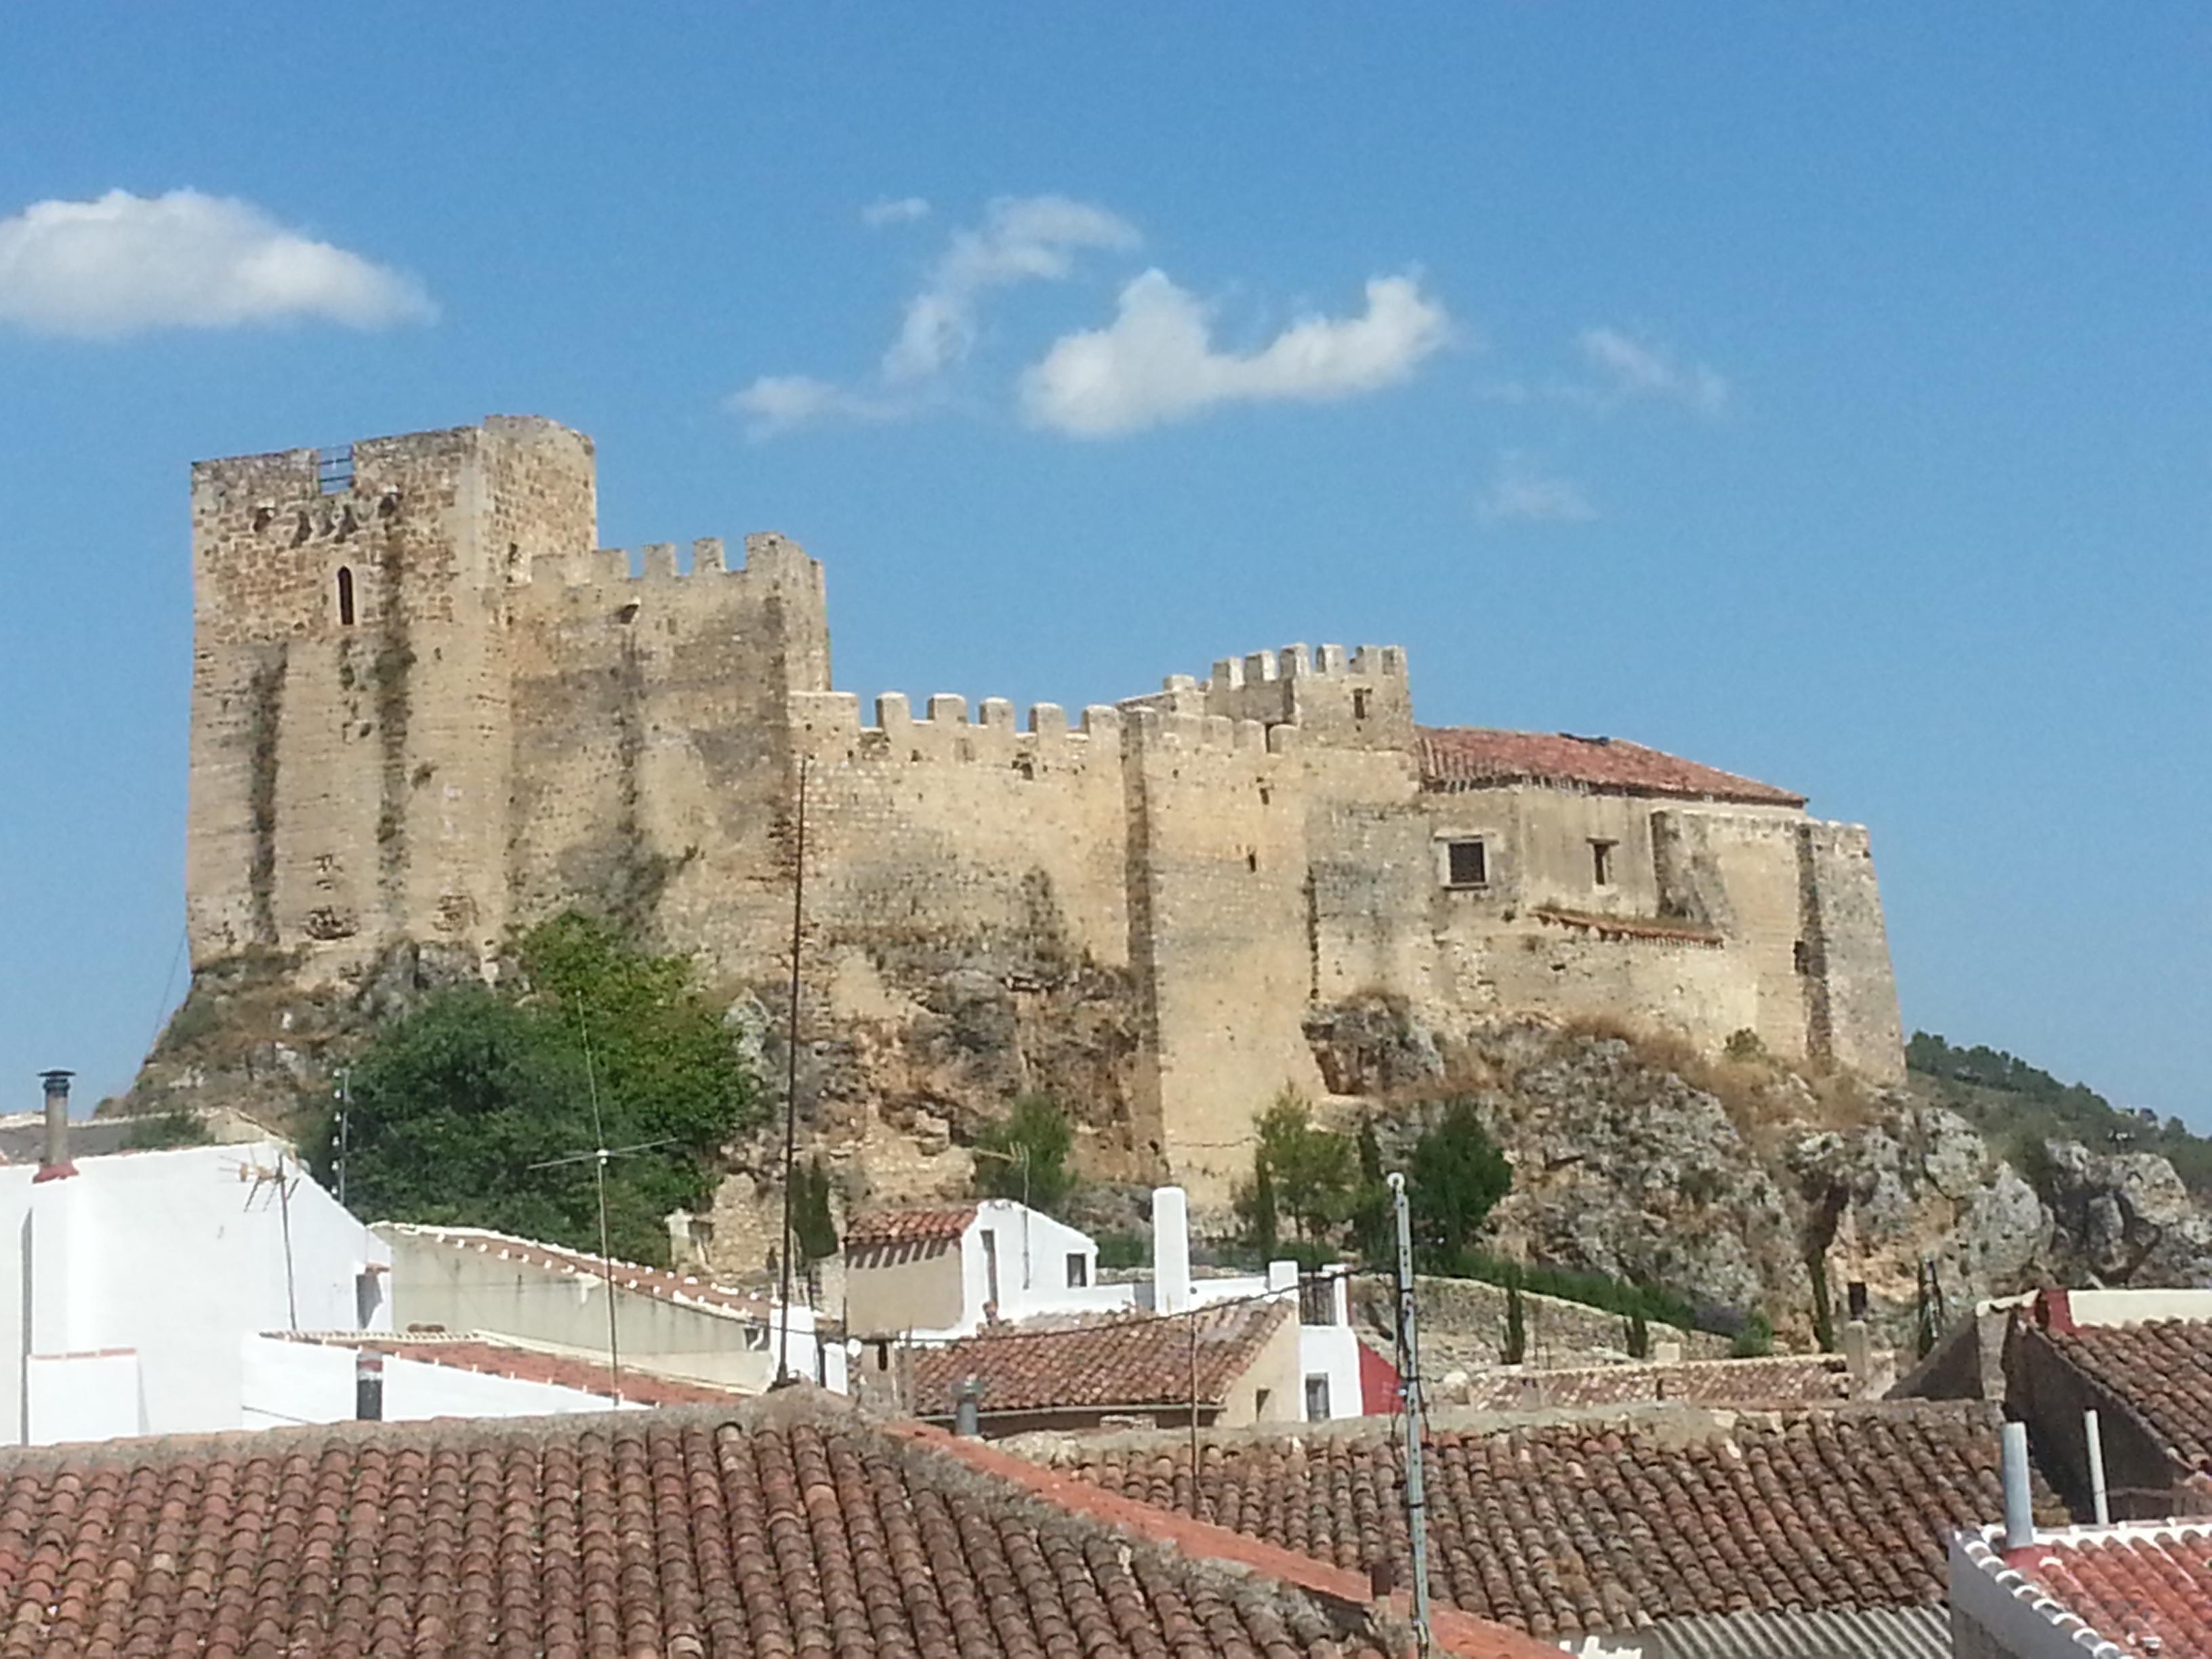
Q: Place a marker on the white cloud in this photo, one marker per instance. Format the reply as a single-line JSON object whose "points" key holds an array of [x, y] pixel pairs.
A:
{"points": [[1627, 369], [776, 403], [1518, 493], [1156, 363], [894, 210], [123, 263], [1021, 238]]}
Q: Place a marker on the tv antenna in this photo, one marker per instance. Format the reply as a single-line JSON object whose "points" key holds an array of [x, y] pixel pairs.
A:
{"points": [[598, 1156]]}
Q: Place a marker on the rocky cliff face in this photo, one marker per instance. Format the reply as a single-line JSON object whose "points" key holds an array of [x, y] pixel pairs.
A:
{"points": [[1725, 1180], [1728, 1181]]}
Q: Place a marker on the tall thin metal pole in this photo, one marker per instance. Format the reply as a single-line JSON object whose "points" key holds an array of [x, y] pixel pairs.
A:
{"points": [[345, 1127], [2093, 1448], [600, 1170], [1192, 1315], [607, 1266], [1409, 1343], [791, 1070]]}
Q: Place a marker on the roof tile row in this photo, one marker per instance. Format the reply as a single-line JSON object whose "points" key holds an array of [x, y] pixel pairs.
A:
{"points": [[687, 1533], [1147, 1361], [1477, 755], [1589, 1527]]}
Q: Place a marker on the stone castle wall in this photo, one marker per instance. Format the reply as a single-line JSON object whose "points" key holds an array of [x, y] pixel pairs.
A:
{"points": [[1135, 910]]}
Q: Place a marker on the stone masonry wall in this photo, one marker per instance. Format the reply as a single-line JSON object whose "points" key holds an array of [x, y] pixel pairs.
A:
{"points": [[1134, 913]]}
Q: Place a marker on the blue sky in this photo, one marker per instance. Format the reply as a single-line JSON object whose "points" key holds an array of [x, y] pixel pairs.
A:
{"points": [[1820, 393]]}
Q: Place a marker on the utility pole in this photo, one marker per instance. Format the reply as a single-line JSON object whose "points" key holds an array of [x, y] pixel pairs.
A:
{"points": [[791, 1074], [345, 1127], [1409, 1361]]}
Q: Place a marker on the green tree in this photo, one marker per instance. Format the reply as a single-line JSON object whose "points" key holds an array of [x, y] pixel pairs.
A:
{"points": [[1457, 1177], [1755, 1340], [1256, 1206], [1025, 1154], [1310, 1168], [813, 1229], [1374, 1222], [1640, 1336], [1517, 1321], [455, 1104]]}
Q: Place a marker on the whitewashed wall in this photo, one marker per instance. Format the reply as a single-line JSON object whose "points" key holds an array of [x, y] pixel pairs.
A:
{"points": [[173, 1257], [436, 1281], [288, 1382]]}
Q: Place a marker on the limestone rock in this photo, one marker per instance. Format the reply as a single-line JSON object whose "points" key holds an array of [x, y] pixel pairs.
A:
{"points": [[2126, 1216]]}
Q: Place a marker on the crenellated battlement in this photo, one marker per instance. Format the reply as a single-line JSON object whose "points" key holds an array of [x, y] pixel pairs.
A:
{"points": [[768, 556], [828, 727], [1298, 662]]}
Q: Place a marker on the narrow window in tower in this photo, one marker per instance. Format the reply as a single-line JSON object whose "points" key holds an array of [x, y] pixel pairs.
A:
{"points": [[345, 596], [1601, 863], [1360, 694]]}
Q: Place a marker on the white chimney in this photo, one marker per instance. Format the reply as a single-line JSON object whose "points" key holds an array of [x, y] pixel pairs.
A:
{"points": [[1170, 1251]]}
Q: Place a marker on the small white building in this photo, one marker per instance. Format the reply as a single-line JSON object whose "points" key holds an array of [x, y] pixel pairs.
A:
{"points": [[129, 1282], [455, 1280], [937, 1274], [949, 1272]]}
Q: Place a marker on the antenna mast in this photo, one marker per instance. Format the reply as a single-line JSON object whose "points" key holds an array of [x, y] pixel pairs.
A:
{"points": [[791, 1076], [599, 1157]]}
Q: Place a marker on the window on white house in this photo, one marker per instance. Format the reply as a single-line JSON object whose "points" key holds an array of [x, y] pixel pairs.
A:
{"points": [[1317, 1397], [1466, 864], [990, 1266], [1079, 1270]]}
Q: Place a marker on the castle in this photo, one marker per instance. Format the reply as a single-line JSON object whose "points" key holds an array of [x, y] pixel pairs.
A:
{"points": [[428, 709]]}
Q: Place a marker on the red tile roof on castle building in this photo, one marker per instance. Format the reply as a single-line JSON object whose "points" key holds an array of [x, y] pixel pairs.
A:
{"points": [[1596, 1527], [788, 1527], [1141, 1362], [880, 1228], [490, 1358], [2144, 1589], [1473, 756]]}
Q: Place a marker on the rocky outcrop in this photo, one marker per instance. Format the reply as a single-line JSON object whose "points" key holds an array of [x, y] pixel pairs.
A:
{"points": [[2125, 1217], [1733, 1182]]}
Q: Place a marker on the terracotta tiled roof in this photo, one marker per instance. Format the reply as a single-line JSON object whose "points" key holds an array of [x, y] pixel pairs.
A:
{"points": [[1587, 1527], [2154, 1584], [2146, 1589], [2162, 1368], [1107, 1365], [495, 1359], [1796, 1379], [884, 1227], [1477, 755], [627, 1275], [690, 1533]]}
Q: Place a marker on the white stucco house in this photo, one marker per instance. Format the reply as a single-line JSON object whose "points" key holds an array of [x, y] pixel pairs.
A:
{"points": [[129, 1283], [939, 1275]]}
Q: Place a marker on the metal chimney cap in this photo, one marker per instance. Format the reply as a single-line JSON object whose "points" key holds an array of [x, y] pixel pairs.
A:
{"points": [[57, 1082]]}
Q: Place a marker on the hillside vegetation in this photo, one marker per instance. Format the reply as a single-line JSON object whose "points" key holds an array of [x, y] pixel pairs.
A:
{"points": [[2018, 1107]]}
